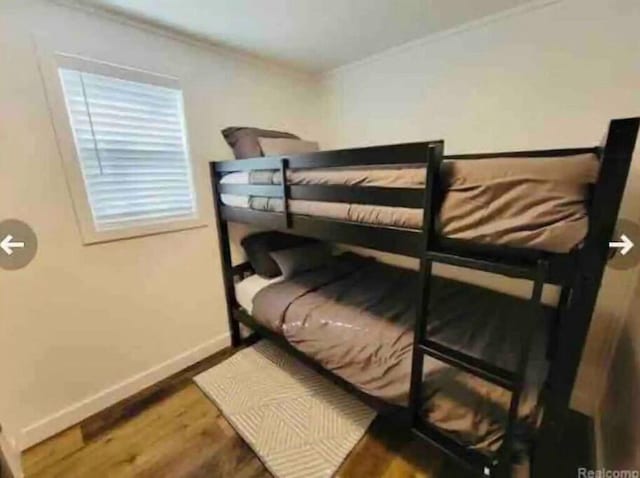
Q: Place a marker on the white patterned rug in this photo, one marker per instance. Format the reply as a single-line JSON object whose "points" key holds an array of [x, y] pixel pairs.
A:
{"points": [[298, 422]]}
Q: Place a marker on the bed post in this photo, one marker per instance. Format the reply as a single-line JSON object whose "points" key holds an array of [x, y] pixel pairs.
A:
{"points": [[284, 192], [225, 260], [575, 319], [433, 163]]}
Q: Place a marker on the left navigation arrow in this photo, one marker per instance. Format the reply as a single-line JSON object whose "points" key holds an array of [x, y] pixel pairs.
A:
{"points": [[8, 245], [18, 244]]}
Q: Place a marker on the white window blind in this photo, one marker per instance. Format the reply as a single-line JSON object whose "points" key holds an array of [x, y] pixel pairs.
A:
{"points": [[131, 143]]}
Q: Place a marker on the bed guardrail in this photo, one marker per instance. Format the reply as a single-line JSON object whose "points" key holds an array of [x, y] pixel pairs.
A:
{"points": [[399, 241], [395, 240]]}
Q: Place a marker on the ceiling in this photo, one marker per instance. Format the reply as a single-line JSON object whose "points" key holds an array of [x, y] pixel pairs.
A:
{"points": [[312, 35]]}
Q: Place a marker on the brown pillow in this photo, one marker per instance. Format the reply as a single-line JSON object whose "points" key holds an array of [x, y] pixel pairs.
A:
{"points": [[258, 247], [244, 140], [278, 146], [302, 258]]}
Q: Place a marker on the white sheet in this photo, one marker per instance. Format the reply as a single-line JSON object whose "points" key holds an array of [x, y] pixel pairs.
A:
{"points": [[247, 289], [235, 200], [239, 177]]}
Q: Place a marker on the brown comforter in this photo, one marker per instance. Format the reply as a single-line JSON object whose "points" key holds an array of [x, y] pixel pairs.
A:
{"points": [[355, 317], [538, 203]]}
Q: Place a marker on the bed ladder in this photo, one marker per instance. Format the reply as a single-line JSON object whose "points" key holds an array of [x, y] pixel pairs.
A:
{"points": [[423, 345]]}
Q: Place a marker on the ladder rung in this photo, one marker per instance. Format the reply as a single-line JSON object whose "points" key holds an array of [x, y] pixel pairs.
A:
{"points": [[475, 366], [469, 457], [504, 268]]}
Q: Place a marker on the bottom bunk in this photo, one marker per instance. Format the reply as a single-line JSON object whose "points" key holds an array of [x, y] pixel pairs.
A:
{"points": [[354, 316]]}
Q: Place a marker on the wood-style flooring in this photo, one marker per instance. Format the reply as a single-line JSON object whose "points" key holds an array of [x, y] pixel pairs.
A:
{"points": [[173, 430], [184, 435]]}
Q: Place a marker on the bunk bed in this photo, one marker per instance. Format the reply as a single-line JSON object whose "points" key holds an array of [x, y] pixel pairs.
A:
{"points": [[303, 194]]}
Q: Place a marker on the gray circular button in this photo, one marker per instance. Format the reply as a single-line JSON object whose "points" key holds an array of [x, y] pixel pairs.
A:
{"points": [[18, 244], [625, 245]]}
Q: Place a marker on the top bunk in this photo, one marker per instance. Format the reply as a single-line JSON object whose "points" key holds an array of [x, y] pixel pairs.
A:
{"points": [[498, 212]]}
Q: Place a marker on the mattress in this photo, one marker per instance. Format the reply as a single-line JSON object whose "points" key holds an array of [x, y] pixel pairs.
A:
{"points": [[355, 317], [537, 203]]}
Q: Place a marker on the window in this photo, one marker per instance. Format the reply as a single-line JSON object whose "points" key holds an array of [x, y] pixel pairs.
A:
{"points": [[130, 142]]}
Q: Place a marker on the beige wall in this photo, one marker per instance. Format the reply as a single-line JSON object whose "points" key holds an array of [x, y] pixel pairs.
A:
{"points": [[548, 75], [83, 325], [619, 412]]}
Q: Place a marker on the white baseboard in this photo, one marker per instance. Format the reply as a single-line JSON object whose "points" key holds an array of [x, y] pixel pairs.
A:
{"points": [[83, 409], [597, 438], [10, 456]]}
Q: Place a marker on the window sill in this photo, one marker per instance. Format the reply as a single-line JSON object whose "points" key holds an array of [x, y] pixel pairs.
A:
{"points": [[98, 237]]}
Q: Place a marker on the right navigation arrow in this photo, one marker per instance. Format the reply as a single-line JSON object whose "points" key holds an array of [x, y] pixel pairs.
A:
{"points": [[625, 244]]}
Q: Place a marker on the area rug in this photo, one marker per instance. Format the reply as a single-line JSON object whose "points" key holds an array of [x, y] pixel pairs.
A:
{"points": [[299, 423]]}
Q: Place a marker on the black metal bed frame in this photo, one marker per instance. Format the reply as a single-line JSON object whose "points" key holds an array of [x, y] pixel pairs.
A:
{"points": [[579, 273]]}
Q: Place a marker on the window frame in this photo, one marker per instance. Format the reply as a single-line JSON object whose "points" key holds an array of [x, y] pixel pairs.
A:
{"points": [[60, 116]]}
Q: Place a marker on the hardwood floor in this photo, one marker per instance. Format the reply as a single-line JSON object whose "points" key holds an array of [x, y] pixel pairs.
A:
{"points": [[184, 435], [173, 430]]}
